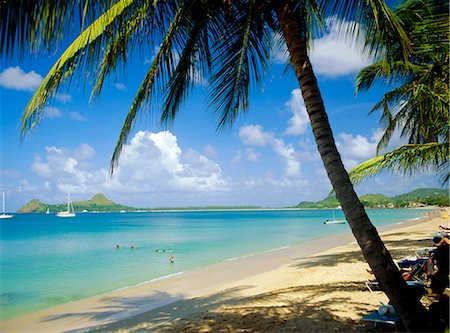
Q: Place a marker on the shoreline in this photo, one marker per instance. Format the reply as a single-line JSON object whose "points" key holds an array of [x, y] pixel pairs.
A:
{"points": [[128, 302]]}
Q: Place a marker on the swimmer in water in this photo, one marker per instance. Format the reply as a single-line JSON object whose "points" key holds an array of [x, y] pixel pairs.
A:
{"points": [[117, 246], [171, 259]]}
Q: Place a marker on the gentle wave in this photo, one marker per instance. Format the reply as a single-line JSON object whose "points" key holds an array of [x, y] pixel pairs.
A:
{"points": [[150, 281], [252, 254]]}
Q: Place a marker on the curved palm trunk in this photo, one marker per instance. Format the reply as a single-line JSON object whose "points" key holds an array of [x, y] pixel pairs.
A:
{"points": [[412, 313]]}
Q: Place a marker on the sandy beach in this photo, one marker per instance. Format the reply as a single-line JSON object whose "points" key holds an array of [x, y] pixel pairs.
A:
{"points": [[318, 286]]}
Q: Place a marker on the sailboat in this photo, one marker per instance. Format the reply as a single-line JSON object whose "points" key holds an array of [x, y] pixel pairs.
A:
{"points": [[334, 221], [70, 211], [3, 215], [47, 211]]}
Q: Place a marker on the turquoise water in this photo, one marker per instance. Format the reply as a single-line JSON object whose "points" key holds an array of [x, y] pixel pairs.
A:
{"points": [[47, 260]]}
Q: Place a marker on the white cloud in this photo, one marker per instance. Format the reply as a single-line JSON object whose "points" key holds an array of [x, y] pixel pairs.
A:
{"points": [[76, 116], [52, 112], [334, 54], [357, 148], [15, 78], [150, 163], [299, 121], [156, 161], [120, 86], [255, 135]]}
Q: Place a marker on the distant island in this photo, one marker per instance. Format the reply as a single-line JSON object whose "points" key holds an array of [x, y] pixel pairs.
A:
{"points": [[100, 203], [418, 198]]}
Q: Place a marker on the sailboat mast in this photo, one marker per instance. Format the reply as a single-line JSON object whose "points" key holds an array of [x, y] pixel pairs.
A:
{"points": [[68, 200], [3, 202]]}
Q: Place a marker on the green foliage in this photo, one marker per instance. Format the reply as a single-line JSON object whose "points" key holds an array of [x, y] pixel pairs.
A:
{"points": [[418, 105], [34, 206], [427, 196], [98, 203], [328, 202]]}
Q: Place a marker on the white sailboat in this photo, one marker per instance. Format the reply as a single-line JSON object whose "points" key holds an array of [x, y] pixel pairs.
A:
{"points": [[334, 221], [70, 211], [3, 215], [48, 211]]}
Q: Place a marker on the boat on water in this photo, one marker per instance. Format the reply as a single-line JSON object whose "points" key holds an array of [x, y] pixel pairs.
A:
{"points": [[334, 221], [70, 212], [48, 211], [3, 215]]}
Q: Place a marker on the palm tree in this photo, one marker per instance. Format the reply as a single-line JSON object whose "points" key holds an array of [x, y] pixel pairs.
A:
{"points": [[419, 105], [229, 42]]}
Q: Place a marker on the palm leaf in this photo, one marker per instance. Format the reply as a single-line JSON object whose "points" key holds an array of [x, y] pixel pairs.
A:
{"points": [[409, 159], [162, 67], [87, 46]]}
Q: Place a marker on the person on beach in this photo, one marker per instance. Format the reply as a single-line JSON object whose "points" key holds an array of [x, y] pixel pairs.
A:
{"points": [[439, 281], [171, 259]]}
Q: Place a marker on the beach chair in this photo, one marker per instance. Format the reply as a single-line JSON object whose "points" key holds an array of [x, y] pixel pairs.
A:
{"points": [[377, 319]]}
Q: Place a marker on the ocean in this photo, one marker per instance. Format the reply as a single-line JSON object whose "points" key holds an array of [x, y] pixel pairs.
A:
{"points": [[46, 260]]}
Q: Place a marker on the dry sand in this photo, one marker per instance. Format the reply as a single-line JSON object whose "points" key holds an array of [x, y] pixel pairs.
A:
{"points": [[321, 290]]}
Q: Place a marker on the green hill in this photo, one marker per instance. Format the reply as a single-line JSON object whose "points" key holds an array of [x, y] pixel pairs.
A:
{"points": [[425, 196], [375, 200], [98, 203], [328, 202], [34, 206]]}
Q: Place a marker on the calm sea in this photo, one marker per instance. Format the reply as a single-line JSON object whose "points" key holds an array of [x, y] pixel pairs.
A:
{"points": [[47, 260]]}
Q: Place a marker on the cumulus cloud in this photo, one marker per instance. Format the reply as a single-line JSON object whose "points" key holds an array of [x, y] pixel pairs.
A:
{"points": [[16, 79], [299, 121], [357, 148], [334, 54], [254, 135], [156, 160], [151, 162]]}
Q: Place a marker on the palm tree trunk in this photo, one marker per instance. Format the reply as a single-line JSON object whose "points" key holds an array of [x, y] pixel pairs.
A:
{"points": [[411, 312]]}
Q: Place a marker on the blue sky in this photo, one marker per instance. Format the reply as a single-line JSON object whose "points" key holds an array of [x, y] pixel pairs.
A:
{"points": [[268, 158]]}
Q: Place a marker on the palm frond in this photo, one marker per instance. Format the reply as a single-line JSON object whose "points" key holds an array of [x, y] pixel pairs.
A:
{"points": [[42, 24], [377, 23], [407, 159], [85, 48], [161, 68], [243, 54]]}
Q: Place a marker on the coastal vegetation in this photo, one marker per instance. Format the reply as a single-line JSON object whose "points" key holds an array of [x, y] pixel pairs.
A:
{"points": [[100, 203], [417, 198], [418, 106], [228, 44]]}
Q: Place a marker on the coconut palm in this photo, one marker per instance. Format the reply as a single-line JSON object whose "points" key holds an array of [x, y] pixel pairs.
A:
{"points": [[418, 106], [228, 43]]}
